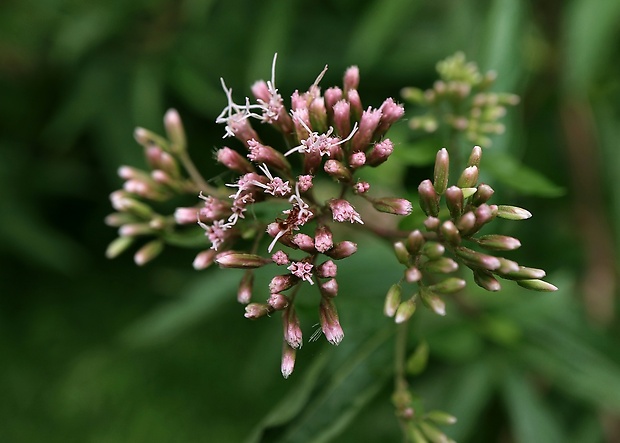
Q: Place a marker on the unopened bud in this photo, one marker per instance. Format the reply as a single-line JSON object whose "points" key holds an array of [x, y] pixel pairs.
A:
{"points": [[304, 241], [327, 269], [353, 97], [440, 417], [450, 232], [204, 259], [454, 201], [404, 311], [281, 283], [507, 266], [392, 300], [233, 160], [342, 117], [486, 280], [525, 273], [475, 156], [351, 78], [175, 131], [292, 329], [513, 213], [393, 205], [433, 302], [498, 242], [390, 113], [483, 194], [342, 250], [484, 214], [413, 274], [240, 260], [442, 169], [329, 321], [415, 240], [148, 252], [477, 259], [118, 246], [329, 288], [337, 170], [432, 433], [416, 363], [537, 285], [244, 293], [257, 310], [433, 250], [278, 301], [135, 229], [288, 360], [429, 200], [468, 178], [260, 153], [466, 223], [332, 96], [401, 253], [443, 265], [323, 239], [380, 152], [448, 286], [432, 223]]}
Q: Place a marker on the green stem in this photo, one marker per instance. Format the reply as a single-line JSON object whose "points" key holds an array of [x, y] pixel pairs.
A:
{"points": [[194, 174]]}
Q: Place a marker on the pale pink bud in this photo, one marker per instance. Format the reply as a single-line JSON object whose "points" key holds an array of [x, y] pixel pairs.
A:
{"points": [[260, 90], [304, 241], [368, 125], [342, 250], [429, 200], [244, 293], [327, 269], [185, 216], [318, 114], [353, 98], [204, 259], [361, 187], [380, 152], [288, 360], [332, 96], [280, 258], [337, 170], [351, 78], [477, 259], [135, 229], [118, 219], [278, 301], [357, 159], [413, 274], [393, 205], [433, 302], [281, 283], [148, 252], [432, 223], [260, 153], [342, 117], [499, 242], [343, 211], [240, 260], [329, 321], [390, 113], [404, 311], [304, 182], [468, 178], [392, 300], [174, 129], [233, 160], [329, 288], [292, 329], [257, 310], [323, 240]]}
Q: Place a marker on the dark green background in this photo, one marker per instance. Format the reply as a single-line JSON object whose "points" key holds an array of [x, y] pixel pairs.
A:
{"points": [[103, 351]]}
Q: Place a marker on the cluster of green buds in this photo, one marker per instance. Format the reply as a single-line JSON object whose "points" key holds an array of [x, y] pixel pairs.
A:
{"points": [[451, 238], [461, 100]]}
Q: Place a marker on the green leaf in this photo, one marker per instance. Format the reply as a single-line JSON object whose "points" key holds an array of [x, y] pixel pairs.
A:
{"points": [[531, 419], [510, 172]]}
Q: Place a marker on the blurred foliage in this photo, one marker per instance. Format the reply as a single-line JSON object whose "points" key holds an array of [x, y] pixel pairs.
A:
{"points": [[100, 351]]}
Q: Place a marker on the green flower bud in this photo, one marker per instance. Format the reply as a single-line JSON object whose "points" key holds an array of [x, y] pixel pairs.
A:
{"points": [[486, 280], [118, 246], [450, 232], [443, 265], [507, 266], [415, 240], [432, 433], [401, 253], [416, 436], [468, 178], [431, 223], [433, 302], [475, 156], [433, 249], [537, 285], [175, 131], [498, 242], [404, 311], [392, 300], [337, 170], [429, 200], [240, 260], [393, 205], [513, 213], [440, 417], [524, 273], [416, 363], [413, 274], [477, 259], [442, 164], [448, 286], [148, 252]]}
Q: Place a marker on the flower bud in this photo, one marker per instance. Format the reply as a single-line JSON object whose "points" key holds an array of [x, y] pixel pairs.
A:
{"points": [[415, 240], [260, 153], [323, 239], [257, 310], [477, 259], [351, 78], [329, 321], [454, 201], [204, 259], [433, 302], [304, 241], [175, 131], [429, 200], [233, 160], [537, 285], [148, 252], [442, 168], [280, 258], [337, 170], [440, 417], [318, 114], [327, 269], [278, 301], [357, 159], [332, 96], [393, 205], [292, 330], [450, 233], [486, 280], [380, 152], [525, 273], [390, 113], [288, 359], [404, 311], [466, 223], [281, 283], [244, 293], [118, 219], [432, 433], [443, 265], [240, 260], [413, 274], [329, 288], [353, 97], [475, 156], [368, 124], [507, 266], [483, 194], [342, 250], [498, 242], [401, 253], [392, 300], [342, 117], [118, 246], [432, 223], [468, 178], [448, 286], [135, 229], [484, 214], [513, 213], [416, 363], [433, 250]]}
